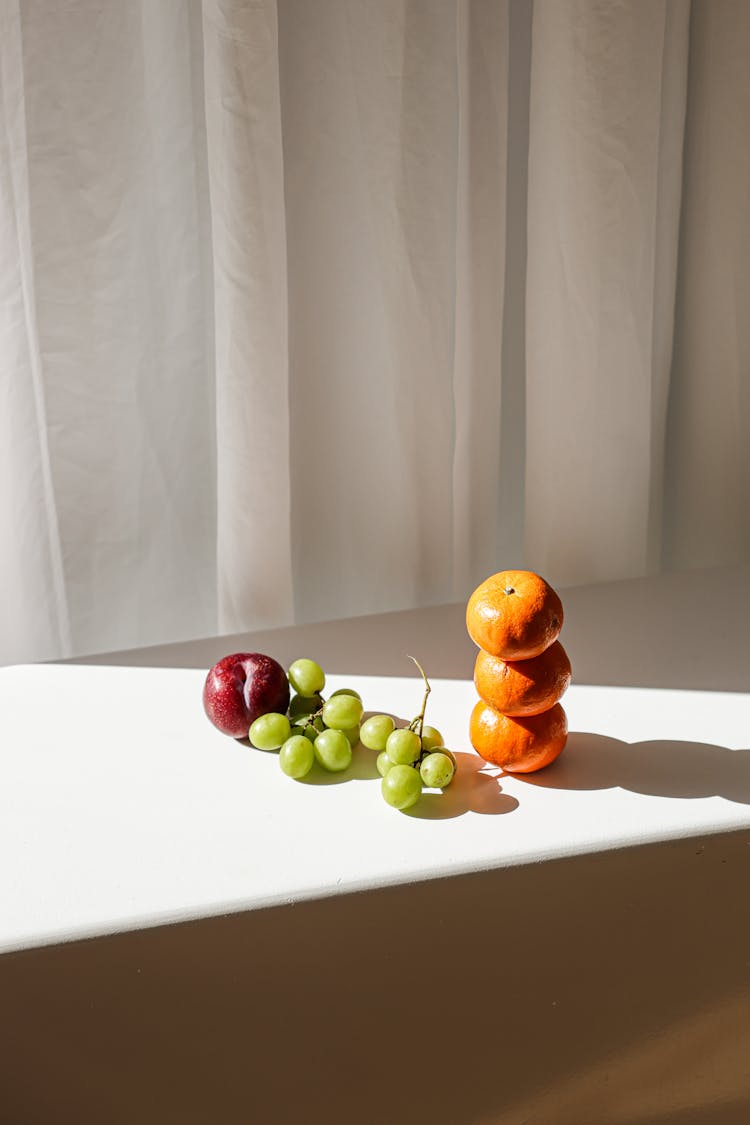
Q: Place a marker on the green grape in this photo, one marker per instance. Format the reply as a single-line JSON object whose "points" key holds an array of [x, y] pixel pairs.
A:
{"points": [[342, 712], [431, 738], [383, 763], [353, 735], [346, 691], [313, 729], [296, 756], [449, 754], [401, 787], [304, 705], [270, 731], [306, 677], [375, 731], [403, 746], [437, 770], [332, 750]]}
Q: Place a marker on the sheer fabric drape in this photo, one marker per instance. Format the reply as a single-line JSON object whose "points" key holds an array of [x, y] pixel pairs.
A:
{"points": [[319, 309]]}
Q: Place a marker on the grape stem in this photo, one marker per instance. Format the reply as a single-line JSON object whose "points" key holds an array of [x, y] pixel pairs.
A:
{"points": [[310, 719], [417, 724]]}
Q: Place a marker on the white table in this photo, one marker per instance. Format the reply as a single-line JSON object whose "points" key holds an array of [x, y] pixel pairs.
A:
{"points": [[586, 961]]}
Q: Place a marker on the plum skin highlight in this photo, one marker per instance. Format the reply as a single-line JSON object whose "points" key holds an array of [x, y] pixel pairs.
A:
{"points": [[240, 688]]}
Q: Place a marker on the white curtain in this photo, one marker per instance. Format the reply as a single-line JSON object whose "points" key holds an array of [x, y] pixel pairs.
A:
{"points": [[310, 309]]}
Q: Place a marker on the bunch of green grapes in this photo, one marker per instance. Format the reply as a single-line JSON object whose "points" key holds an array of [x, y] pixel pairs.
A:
{"points": [[327, 730], [314, 728], [409, 758]]}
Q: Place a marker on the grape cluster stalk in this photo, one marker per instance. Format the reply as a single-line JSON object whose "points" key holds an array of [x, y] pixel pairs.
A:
{"points": [[410, 758]]}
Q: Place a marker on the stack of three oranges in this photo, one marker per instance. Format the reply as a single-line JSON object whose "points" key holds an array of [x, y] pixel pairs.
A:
{"points": [[521, 672]]}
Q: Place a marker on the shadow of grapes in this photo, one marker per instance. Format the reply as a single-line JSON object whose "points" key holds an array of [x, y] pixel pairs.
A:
{"points": [[473, 789], [362, 768]]}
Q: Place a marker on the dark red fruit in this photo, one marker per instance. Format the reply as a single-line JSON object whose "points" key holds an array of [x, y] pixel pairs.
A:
{"points": [[240, 688]]}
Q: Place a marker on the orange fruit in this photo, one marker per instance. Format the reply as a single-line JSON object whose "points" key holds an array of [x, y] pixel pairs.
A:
{"points": [[523, 687], [514, 615], [518, 745]]}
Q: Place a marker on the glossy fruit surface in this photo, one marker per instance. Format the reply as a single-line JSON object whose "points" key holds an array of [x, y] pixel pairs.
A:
{"points": [[306, 677], [241, 687], [270, 731], [333, 750], [296, 756], [437, 770], [523, 687], [401, 787], [375, 731], [342, 712], [431, 738], [383, 763], [518, 745], [403, 746], [514, 614]]}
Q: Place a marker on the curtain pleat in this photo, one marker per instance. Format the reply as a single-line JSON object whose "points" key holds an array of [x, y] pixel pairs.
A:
{"points": [[110, 255], [311, 310], [707, 502], [487, 457], [35, 618], [606, 125], [245, 160]]}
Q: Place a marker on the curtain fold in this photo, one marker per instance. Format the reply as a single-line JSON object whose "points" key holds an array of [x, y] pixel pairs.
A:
{"points": [[248, 226], [707, 496], [311, 310], [490, 264], [117, 544], [369, 108], [608, 87], [35, 611]]}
